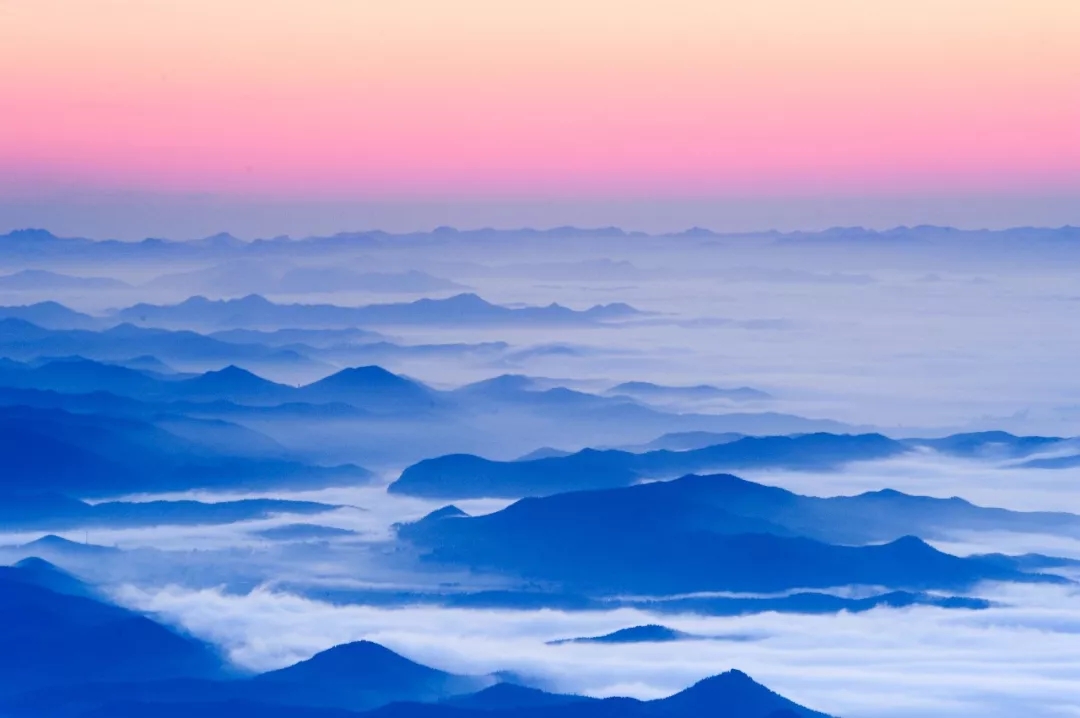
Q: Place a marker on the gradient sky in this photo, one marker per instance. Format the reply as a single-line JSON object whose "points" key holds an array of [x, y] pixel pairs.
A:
{"points": [[525, 100]]}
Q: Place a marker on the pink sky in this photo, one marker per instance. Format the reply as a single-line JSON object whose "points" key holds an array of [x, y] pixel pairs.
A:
{"points": [[346, 99]]}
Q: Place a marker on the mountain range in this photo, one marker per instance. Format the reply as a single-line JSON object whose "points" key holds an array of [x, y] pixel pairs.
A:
{"points": [[55, 512], [462, 476], [647, 391], [40, 280], [257, 312], [50, 450], [719, 533]]}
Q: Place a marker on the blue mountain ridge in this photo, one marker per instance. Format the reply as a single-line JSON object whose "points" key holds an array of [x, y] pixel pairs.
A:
{"points": [[49, 450], [256, 312], [711, 533], [462, 476]]}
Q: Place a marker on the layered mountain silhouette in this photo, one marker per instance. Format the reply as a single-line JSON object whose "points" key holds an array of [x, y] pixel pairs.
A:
{"points": [[36, 243], [49, 315], [719, 502], [41, 280], [685, 441], [369, 678], [505, 413], [463, 476], [318, 338], [537, 595], [651, 633], [368, 387], [304, 532], [989, 444], [55, 512], [50, 450], [26, 340], [647, 391], [257, 312], [714, 533], [459, 476]]}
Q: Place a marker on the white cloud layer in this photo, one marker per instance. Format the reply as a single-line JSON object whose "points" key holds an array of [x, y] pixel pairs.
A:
{"points": [[1020, 658]]}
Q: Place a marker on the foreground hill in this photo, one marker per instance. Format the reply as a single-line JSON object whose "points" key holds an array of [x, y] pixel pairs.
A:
{"points": [[54, 633], [319, 687]]}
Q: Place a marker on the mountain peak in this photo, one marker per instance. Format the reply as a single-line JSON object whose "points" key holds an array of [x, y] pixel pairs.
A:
{"points": [[739, 693], [31, 233], [446, 512], [359, 662], [467, 299], [233, 373], [363, 375], [39, 572]]}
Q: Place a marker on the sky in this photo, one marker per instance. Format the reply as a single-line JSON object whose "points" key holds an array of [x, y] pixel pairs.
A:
{"points": [[740, 115]]}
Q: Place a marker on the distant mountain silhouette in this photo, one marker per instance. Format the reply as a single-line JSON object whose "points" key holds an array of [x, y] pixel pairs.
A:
{"points": [[256, 312], [459, 476], [989, 444], [512, 421], [146, 363], [544, 452], [319, 338], [463, 476], [234, 384], [20, 339], [686, 441], [59, 548], [54, 512], [50, 315], [520, 389], [42, 281], [636, 634], [870, 517], [369, 387], [1056, 462], [304, 532], [647, 391], [48, 450], [710, 533], [546, 596]]}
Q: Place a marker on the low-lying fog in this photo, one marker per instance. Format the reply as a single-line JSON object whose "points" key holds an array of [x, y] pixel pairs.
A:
{"points": [[1017, 659]]}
